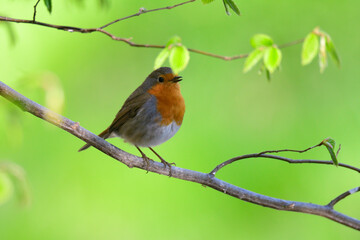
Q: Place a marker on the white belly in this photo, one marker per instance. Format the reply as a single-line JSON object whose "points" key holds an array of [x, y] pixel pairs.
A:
{"points": [[154, 135]]}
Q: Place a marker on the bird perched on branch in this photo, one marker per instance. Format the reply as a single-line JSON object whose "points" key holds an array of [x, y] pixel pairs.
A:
{"points": [[151, 115]]}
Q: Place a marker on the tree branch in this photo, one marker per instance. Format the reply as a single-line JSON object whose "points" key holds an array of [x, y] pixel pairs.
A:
{"points": [[128, 40], [342, 196], [35, 6], [185, 174], [289, 160], [143, 10]]}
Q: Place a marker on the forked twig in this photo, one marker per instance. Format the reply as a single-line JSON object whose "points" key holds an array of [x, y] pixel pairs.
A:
{"points": [[289, 160], [128, 40], [342, 196], [143, 11], [35, 6]]}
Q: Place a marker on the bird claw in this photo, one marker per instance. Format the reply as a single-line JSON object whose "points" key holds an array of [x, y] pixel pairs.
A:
{"points": [[167, 164], [163, 162], [146, 162]]}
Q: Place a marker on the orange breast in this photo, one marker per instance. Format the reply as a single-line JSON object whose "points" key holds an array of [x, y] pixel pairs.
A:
{"points": [[170, 102]]}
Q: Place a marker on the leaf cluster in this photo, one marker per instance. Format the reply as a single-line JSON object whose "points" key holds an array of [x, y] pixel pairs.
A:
{"points": [[319, 43], [177, 54]]}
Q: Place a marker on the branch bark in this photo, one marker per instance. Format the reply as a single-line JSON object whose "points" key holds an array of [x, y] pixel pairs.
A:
{"points": [[185, 174]]}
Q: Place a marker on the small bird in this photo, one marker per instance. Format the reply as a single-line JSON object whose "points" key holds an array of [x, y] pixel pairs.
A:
{"points": [[151, 115]]}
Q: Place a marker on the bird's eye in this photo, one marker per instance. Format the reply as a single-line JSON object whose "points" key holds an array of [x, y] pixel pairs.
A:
{"points": [[161, 79]]}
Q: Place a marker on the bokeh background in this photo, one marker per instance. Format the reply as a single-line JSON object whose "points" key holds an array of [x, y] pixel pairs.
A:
{"points": [[88, 195]]}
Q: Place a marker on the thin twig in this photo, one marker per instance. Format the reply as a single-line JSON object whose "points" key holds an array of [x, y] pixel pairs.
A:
{"points": [[34, 17], [337, 153], [289, 160], [128, 40], [177, 172], [291, 150], [143, 10], [342, 196], [291, 43]]}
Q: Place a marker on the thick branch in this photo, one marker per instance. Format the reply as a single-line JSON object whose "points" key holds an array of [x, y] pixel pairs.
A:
{"points": [[177, 172]]}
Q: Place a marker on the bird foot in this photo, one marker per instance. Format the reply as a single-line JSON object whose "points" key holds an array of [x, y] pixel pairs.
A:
{"points": [[146, 162], [164, 162], [167, 164]]}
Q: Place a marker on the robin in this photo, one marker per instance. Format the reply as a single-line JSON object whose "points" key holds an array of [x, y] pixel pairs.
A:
{"points": [[151, 115]]}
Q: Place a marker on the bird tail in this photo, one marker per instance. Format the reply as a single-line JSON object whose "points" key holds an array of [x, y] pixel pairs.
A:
{"points": [[105, 134]]}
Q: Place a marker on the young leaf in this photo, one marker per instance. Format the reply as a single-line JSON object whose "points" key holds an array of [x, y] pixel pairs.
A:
{"points": [[261, 40], [11, 32], [161, 57], [322, 54], [48, 5], [226, 8], [253, 58], [6, 187], [104, 3], [17, 178], [333, 155], [310, 48], [232, 5], [331, 50], [54, 94], [179, 58], [329, 143], [268, 75], [206, 1], [272, 58], [174, 40]]}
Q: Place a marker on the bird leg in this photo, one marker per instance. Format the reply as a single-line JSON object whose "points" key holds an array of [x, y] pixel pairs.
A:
{"points": [[146, 159], [163, 161]]}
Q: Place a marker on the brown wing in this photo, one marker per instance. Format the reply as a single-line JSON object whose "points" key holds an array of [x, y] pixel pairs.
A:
{"points": [[129, 109]]}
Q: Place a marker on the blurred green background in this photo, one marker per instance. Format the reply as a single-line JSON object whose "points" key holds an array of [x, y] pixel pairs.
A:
{"points": [[90, 196]]}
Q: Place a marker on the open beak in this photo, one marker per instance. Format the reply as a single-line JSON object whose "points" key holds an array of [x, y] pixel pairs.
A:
{"points": [[176, 79]]}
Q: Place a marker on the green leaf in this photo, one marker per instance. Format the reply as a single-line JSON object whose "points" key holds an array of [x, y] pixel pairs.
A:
{"points": [[268, 75], [161, 57], [253, 58], [11, 32], [310, 48], [173, 41], [322, 54], [179, 58], [261, 40], [331, 50], [207, 1], [104, 3], [48, 5], [17, 178], [329, 143], [6, 187], [272, 58], [226, 8], [232, 5], [54, 94], [333, 156]]}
